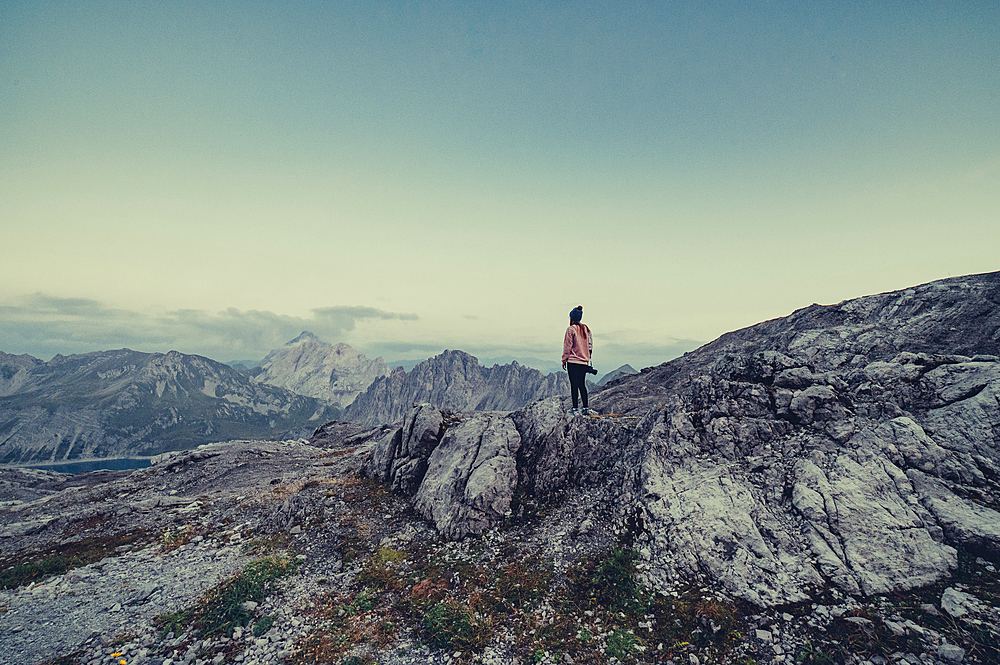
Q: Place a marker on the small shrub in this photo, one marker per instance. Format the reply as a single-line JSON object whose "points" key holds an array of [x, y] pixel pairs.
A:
{"points": [[621, 644], [451, 624], [381, 571]]}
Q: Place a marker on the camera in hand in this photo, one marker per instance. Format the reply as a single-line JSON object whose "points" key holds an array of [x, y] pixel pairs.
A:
{"points": [[591, 370]]}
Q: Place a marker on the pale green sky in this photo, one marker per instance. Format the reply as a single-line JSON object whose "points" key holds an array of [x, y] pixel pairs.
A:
{"points": [[409, 177]]}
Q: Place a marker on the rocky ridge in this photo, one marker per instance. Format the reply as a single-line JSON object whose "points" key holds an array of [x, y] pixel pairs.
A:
{"points": [[308, 366], [836, 447], [454, 380]]}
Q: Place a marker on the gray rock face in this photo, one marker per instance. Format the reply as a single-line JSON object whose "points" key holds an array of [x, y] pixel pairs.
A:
{"points": [[454, 380], [401, 458], [854, 445], [333, 373], [126, 404], [471, 476]]}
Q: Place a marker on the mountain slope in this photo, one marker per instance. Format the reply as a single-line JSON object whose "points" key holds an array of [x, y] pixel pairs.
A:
{"points": [[126, 403], [333, 373]]}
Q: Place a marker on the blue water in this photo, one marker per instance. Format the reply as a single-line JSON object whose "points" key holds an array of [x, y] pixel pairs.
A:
{"points": [[93, 465]]}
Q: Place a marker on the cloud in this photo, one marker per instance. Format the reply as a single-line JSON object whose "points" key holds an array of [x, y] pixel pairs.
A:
{"points": [[44, 325], [346, 316]]}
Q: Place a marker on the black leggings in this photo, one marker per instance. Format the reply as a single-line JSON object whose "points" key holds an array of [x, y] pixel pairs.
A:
{"points": [[577, 382]]}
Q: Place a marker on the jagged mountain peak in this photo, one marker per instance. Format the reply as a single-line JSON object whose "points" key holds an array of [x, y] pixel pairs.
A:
{"points": [[309, 366], [304, 336], [454, 379]]}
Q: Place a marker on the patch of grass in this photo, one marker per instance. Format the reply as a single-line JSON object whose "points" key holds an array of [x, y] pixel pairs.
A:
{"points": [[366, 492], [356, 660], [609, 583], [29, 568], [176, 622], [263, 625], [174, 538], [224, 604], [459, 597], [352, 546], [267, 544], [621, 644], [451, 624], [811, 655], [523, 581], [353, 622], [695, 617], [221, 609], [69, 659], [382, 571]]}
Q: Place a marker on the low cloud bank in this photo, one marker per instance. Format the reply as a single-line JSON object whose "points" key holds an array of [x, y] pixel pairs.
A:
{"points": [[43, 326]]}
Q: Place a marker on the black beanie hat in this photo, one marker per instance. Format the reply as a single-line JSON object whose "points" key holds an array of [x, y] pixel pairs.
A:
{"points": [[576, 313]]}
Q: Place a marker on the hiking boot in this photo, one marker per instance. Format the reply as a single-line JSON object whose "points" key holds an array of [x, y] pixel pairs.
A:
{"points": [[590, 412], [573, 412]]}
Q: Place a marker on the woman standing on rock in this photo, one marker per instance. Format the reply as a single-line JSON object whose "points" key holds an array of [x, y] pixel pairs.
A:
{"points": [[577, 347]]}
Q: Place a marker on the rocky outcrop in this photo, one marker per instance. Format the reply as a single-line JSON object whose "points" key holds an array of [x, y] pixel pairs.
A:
{"points": [[333, 373], [130, 404], [454, 380], [856, 445]]}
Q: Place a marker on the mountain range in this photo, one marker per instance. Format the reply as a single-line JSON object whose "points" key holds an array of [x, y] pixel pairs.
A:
{"points": [[126, 403], [454, 380]]}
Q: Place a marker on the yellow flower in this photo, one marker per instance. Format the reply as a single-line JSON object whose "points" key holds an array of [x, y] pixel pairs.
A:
{"points": [[122, 662], [116, 654]]}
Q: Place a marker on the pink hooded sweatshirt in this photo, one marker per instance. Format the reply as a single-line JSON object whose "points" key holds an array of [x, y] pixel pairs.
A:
{"points": [[577, 345]]}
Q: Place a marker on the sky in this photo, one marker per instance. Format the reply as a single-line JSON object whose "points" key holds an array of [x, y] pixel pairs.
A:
{"points": [[410, 177]]}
